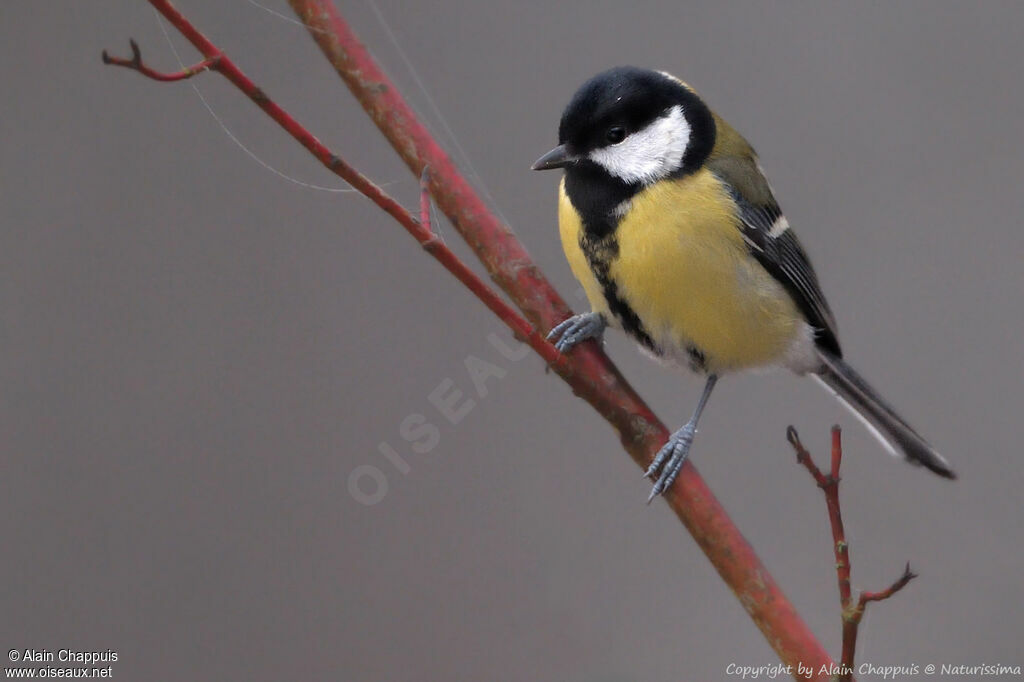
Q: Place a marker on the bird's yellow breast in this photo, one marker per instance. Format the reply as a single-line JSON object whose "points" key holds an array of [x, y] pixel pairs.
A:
{"points": [[682, 266]]}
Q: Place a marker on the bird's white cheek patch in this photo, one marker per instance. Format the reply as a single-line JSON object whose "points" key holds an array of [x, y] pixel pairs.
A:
{"points": [[650, 154]]}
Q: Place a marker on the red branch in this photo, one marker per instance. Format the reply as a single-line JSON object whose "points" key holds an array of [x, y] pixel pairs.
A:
{"points": [[587, 370], [852, 612]]}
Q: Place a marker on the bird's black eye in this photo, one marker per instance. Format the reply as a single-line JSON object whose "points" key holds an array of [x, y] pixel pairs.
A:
{"points": [[615, 135]]}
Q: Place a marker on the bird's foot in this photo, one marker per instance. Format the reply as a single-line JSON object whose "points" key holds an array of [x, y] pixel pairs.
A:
{"points": [[576, 329], [669, 459]]}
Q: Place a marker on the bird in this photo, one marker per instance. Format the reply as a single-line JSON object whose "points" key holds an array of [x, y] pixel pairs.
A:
{"points": [[669, 224]]}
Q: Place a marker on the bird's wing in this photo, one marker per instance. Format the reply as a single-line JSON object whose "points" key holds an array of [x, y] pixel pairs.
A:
{"points": [[770, 240]]}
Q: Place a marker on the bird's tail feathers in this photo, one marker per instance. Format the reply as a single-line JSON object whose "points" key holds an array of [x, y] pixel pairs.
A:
{"points": [[878, 417]]}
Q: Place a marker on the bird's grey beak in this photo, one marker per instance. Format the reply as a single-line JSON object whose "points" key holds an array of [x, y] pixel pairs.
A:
{"points": [[559, 157]]}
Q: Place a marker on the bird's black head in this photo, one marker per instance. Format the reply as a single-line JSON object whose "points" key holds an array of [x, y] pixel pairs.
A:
{"points": [[636, 125]]}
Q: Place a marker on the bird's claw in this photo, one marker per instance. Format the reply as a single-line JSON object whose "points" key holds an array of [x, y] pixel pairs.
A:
{"points": [[669, 460], [577, 329]]}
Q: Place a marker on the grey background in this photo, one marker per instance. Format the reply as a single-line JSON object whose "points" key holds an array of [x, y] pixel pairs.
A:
{"points": [[197, 353]]}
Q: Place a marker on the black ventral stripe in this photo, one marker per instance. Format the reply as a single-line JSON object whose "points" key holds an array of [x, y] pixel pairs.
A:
{"points": [[594, 194]]}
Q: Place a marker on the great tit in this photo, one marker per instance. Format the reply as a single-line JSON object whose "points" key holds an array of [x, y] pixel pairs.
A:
{"points": [[668, 222]]}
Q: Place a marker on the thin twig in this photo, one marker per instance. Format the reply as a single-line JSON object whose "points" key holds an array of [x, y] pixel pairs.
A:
{"points": [[852, 612], [135, 63], [830, 485]]}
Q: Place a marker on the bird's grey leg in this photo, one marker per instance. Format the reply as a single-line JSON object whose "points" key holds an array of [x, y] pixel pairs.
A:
{"points": [[576, 329], [672, 455]]}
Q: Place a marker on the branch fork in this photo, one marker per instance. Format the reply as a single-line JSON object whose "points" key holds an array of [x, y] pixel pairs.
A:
{"points": [[136, 64], [852, 611]]}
